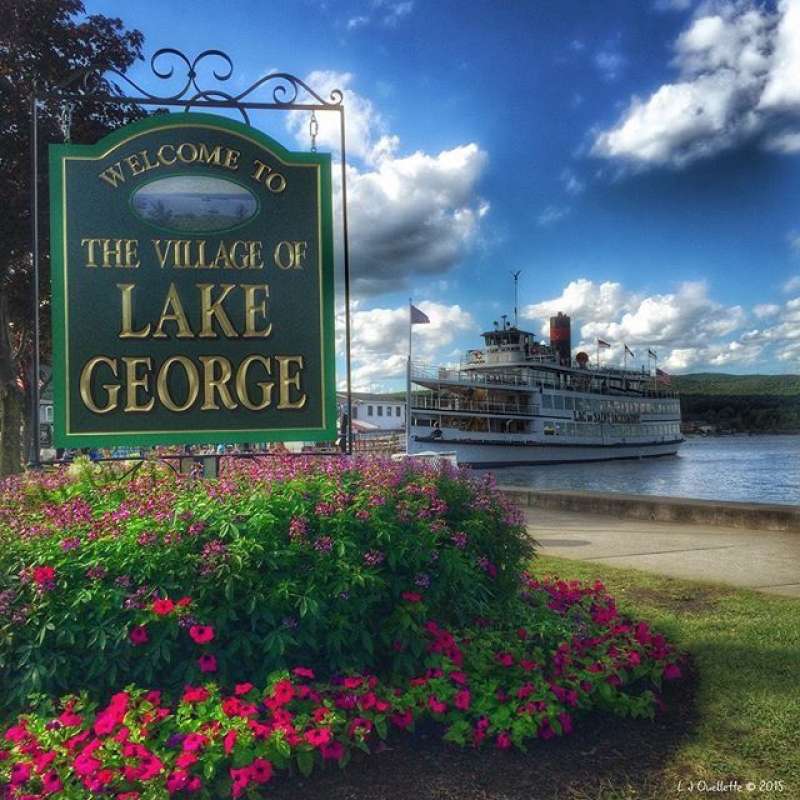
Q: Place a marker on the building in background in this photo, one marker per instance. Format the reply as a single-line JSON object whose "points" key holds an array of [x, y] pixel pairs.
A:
{"points": [[375, 413]]}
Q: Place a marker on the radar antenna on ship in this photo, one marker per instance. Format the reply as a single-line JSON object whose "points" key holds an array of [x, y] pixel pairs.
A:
{"points": [[516, 295]]}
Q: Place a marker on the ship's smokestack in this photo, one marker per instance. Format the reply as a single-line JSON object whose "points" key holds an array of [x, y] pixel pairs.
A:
{"points": [[561, 338]]}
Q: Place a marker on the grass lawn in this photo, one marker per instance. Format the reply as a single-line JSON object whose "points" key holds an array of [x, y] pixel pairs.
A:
{"points": [[745, 647]]}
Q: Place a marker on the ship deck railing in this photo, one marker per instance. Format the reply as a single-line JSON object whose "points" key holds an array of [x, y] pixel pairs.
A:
{"points": [[498, 378], [448, 375], [431, 403]]}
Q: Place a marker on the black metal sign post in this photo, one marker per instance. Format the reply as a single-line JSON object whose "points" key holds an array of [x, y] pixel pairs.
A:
{"points": [[288, 93]]}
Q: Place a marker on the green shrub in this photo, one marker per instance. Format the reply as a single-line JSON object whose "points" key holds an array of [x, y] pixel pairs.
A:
{"points": [[319, 562]]}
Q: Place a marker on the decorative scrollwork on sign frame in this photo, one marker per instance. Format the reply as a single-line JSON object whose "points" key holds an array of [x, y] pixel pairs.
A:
{"points": [[284, 90]]}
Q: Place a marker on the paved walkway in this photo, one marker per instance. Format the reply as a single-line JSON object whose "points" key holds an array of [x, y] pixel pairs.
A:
{"points": [[764, 560]]}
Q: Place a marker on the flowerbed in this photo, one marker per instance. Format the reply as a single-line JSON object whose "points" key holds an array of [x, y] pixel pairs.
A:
{"points": [[414, 609], [288, 561]]}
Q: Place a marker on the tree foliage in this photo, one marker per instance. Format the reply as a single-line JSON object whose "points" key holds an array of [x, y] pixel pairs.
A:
{"points": [[43, 45]]}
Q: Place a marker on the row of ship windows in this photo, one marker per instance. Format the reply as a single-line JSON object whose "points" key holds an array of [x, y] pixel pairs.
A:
{"points": [[650, 429], [561, 402]]}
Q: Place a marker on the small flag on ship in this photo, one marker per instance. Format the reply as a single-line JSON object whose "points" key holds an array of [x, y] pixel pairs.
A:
{"points": [[651, 353], [418, 317], [601, 343], [630, 352]]}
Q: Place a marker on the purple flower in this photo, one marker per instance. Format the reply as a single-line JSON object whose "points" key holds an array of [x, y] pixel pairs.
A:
{"points": [[459, 539], [298, 528], [324, 544], [70, 543], [373, 557], [422, 580]]}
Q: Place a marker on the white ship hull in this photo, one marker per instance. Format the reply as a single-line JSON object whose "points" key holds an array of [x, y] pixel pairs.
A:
{"points": [[507, 455]]}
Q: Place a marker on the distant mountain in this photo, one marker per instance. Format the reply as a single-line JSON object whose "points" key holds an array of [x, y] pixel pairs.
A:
{"points": [[755, 403], [716, 384]]}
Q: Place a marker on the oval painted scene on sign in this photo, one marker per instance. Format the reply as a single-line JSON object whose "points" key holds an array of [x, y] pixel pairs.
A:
{"points": [[194, 203]]}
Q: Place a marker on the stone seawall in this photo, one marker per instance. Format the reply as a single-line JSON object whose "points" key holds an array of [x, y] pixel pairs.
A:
{"points": [[753, 516]]}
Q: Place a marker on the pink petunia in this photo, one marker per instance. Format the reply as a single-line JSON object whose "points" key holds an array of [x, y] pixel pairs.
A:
{"points": [[332, 751], [207, 663], [138, 635], [163, 606], [503, 740], [672, 672], [317, 737], [303, 672], [201, 634], [462, 700], [260, 770]]}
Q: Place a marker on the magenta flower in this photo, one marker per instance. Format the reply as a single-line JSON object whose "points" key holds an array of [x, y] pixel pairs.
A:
{"points": [[207, 663], [201, 634], [138, 635]]}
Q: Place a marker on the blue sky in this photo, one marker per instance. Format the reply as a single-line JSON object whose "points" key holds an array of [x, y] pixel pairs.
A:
{"points": [[638, 160]]}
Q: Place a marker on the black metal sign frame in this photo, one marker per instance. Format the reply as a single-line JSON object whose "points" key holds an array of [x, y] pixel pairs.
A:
{"points": [[285, 92]]}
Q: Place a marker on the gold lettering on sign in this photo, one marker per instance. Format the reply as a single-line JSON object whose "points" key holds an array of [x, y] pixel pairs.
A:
{"points": [[252, 307], [213, 384], [187, 153], [127, 331], [192, 378], [241, 383], [274, 181], [290, 255], [288, 381], [136, 382], [212, 309], [112, 390], [121, 253], [173, 312]]}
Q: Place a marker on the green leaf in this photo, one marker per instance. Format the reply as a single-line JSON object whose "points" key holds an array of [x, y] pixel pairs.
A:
{"points": [[305, 761]]}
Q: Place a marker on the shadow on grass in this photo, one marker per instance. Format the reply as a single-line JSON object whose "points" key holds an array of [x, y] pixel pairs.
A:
{"points": [[606, 757]]}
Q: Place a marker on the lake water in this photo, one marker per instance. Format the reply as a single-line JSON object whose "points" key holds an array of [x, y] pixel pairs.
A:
{"points": [[760, 469]]}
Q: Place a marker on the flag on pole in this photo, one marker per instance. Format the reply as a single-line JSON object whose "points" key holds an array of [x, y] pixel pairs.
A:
{"points": [[418, 317], [601, 343], [651, 353], [630, 352]]}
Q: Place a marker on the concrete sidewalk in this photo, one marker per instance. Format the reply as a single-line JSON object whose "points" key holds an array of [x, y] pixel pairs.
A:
{"points": [[764, 560]]}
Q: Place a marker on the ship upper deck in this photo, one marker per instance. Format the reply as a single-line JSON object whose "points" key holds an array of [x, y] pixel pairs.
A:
{"points": [[534, 375]]}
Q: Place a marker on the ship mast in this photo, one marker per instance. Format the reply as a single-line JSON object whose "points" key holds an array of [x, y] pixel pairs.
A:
{"points": [[516, 295]]}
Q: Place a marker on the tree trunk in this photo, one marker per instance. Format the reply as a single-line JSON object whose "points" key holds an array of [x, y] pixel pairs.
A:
{"points": [[11, 433]]}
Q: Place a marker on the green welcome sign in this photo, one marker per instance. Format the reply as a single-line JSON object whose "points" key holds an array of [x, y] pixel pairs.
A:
{"points": [[192, 269]]}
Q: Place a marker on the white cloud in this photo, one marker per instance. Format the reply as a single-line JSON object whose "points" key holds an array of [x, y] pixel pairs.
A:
{"points": [[765, 310], [409, 215], [368, 137], [380, 341], [610, 62], [416, 215], [386, 13], [672, 5], [551, 215], [685, 327], [786, 142], [572, 183], [394, 12], [738, 63], [792, 284]]}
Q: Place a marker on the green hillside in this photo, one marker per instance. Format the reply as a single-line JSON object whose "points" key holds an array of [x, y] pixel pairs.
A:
{"points": [[755, 403], [715, 384]]}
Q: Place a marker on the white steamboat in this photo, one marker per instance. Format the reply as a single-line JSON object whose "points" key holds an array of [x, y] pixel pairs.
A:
{"points": [[517, 401]]}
